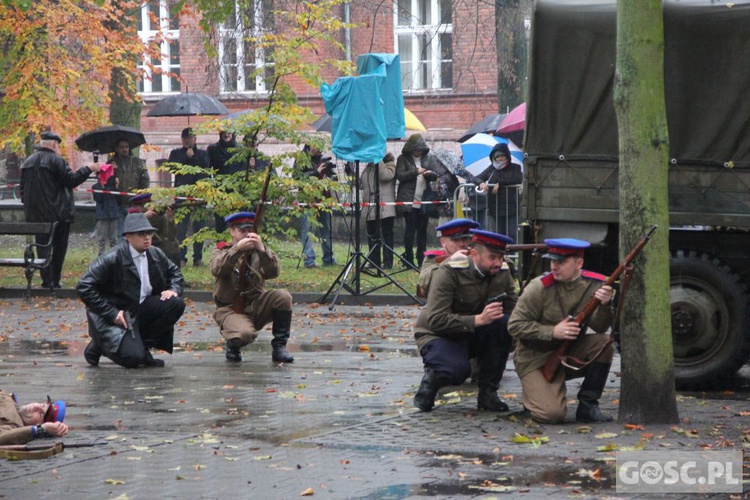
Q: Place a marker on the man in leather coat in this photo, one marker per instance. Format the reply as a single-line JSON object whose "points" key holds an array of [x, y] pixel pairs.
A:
{"points": [[46, 189], [132, 296]]}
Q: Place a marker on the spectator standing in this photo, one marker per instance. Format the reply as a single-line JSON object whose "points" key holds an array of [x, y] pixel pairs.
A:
{"points": [[189, 154], [220, 155], [107, 214], [385, 185], [414, 169], [46, 191], [131, 174], [321, 168], [502, 203]]}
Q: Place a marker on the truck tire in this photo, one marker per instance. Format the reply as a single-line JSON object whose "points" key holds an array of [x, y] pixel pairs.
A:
{"points": [[710, 328]]}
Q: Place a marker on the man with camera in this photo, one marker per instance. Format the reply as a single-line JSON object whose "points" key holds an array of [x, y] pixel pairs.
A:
{"points": [[315, 165], [466, 315]]}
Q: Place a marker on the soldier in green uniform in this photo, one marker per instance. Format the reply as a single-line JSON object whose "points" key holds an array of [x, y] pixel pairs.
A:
{"points": [[455, 239], [542, 319], [19, 425], [461, 321], [259, 306]]}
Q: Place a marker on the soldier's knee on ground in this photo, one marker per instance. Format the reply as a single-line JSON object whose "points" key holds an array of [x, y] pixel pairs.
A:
{"points": [[550, 416]]}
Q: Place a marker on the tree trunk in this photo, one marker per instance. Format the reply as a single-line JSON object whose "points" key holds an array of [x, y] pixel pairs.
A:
{"points": [[647, 389], [511, 51]]}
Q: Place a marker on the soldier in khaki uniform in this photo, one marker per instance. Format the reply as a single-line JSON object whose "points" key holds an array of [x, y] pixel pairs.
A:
{"points": [[31, 421], [455, 239], [458, 323], [261, 306], [541, 321]]}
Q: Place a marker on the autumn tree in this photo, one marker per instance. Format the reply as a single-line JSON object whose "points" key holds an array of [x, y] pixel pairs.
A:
{"points": [[648, 391], [289, 34], [57, 63], [512, 54]]}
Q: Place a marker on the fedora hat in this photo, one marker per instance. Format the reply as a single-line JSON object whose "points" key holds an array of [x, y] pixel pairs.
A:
{"points": [[137, 222]]}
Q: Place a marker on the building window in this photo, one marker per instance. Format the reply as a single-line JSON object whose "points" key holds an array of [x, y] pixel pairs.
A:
{"points": [[160, 74], [424, 40], [245, 65]]}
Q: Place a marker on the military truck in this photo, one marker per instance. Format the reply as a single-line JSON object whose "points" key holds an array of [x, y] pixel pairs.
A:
{"points": [[571, 148]]}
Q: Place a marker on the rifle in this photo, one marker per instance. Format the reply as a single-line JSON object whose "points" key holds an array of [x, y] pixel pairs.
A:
{"points": [[37, 451], [525, 246], [559, 356], [239, 300]]}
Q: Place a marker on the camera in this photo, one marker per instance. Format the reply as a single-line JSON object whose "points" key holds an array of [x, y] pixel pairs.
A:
{"points": [[329, 168], [496, 298]]}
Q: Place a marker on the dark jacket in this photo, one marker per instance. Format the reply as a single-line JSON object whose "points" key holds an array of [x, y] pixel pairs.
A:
{"points": [[199, 159], [508, 176], [406, 170], [219, 156], [46, 187], [112, 284], [107, 205]]}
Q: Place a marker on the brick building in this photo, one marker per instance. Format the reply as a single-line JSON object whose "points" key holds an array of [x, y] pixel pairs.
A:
{"points": [[447, 49]]}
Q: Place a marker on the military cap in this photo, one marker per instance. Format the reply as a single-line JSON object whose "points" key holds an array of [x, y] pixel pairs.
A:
{"points": [[50, 136], [493, 241], [55, 411], [457, 228], [562, 248], [241, 219], [140, 199]]}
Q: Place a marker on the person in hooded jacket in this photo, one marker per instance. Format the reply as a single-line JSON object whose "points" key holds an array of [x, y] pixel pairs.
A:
{"points": [[502, 203], [414, 161], [220, 155]]}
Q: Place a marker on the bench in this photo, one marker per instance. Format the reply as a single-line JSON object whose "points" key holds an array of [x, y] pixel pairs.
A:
{"points": [[31, 260]]}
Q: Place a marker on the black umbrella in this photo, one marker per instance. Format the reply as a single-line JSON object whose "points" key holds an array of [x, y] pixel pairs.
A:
{"points": [[323, 124], [188, 104], [104, 139], [486, 125]]}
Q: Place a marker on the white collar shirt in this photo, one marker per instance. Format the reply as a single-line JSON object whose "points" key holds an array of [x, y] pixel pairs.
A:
{"points": [[141, 263]]}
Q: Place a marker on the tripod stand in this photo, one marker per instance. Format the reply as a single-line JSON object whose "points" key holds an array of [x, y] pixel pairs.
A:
{"points": [[349, 278]]}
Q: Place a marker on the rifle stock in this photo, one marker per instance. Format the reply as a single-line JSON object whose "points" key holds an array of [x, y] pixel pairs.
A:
{"points": [[525, 246], [555, 359], [239, 300]]}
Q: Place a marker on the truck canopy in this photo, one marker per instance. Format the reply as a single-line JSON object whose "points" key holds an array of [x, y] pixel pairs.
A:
{"points": [[570, 108]]}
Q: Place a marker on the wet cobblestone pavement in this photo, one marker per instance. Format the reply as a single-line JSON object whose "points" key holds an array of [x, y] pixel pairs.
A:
{"points": [[337, 423]]}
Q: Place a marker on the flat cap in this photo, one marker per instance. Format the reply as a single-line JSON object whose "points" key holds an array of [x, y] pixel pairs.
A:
{"points": [[50, 136]]}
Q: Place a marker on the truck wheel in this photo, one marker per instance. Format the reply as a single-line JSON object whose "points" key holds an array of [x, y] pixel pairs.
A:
{"points": [[710, 328]]}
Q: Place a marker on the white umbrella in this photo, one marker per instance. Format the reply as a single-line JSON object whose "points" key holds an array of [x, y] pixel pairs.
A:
{"points": [[476, 152]]}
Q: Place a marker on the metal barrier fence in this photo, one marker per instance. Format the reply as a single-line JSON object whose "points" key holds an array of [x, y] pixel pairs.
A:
{"points": [[497, 212]]}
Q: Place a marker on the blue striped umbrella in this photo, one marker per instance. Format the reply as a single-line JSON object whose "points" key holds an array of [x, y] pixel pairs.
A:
{"points": [[476, 152]]}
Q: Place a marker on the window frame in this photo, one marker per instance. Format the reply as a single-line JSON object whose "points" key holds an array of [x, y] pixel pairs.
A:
{"points": [[432, 29], [169, 83]]}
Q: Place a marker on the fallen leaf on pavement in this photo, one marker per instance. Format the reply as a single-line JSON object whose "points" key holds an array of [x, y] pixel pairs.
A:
{"points": [[307, 493]]}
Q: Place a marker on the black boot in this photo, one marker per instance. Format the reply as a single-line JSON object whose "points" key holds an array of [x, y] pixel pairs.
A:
{"points": [[424, 399], [591, 390], [92, 353], [233, 351], [151, 361], [488, 400], [282, 323]]}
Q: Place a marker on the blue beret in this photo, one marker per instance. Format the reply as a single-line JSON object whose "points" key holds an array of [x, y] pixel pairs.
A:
{"points": [[50, 136], [241, 219], [493, 241], [140, 199], [561, 248], [457, 228]]}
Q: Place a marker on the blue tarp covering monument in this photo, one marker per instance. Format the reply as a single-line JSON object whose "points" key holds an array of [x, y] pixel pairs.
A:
{"points": [[366, 110]]}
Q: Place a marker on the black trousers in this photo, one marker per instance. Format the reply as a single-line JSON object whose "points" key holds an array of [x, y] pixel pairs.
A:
{"points": [[415, 223], [490, 344], [51, 275], [154, 326], [375, 244]]}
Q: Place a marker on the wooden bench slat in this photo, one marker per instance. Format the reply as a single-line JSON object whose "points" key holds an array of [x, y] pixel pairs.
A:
{"points": [[25, 228]]}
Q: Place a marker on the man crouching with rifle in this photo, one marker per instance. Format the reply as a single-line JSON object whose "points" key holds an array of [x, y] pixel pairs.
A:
{"points": [[545, 317]]}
